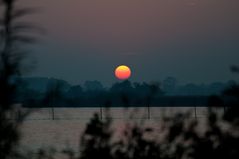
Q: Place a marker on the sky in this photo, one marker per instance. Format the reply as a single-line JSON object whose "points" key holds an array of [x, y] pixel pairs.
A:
{"points": [[192, 40]]}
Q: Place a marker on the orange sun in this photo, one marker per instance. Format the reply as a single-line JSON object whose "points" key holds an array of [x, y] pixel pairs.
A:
{"points": [[122, 72]]}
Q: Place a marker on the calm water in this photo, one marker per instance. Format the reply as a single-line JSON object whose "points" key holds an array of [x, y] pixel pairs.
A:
{"points": [[40, 131]]}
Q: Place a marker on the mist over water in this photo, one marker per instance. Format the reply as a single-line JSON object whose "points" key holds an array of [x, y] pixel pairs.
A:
{"points": [[39, 130]]}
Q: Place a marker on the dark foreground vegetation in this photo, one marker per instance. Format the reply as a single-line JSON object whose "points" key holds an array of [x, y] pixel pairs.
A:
{"points": [[179, 137], [15, 35]]}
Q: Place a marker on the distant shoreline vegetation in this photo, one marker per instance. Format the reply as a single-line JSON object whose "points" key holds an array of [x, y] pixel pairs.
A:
{"points": [[51, 92]]}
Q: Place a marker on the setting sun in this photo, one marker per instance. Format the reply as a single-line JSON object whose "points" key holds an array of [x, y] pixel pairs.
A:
{"points": [[122, 72]]}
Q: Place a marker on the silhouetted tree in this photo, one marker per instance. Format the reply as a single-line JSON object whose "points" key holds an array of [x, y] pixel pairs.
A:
{"points": [[13, 36], [93, 86], [122, 87], [232, 104], [169, 84], [75, 92], [96, 140], [54, 95], [180, 137]]}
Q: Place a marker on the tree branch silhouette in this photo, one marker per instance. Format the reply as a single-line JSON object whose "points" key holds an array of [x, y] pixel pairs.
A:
{"points": [[13, 35]]}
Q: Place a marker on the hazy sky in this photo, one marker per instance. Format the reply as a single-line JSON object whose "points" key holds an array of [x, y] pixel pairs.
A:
{"points": [[193, 40]]}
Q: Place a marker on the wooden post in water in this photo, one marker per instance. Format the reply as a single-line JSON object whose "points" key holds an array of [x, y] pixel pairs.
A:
{"points": [[195, 111], [52, 105], [148, 112], [101, 113], [195, 107], [53, 113]]}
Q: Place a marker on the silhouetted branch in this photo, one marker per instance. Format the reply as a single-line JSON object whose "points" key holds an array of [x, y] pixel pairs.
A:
{"points": [[12, 53]]}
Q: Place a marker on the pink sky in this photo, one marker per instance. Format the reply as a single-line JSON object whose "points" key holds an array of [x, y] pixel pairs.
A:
{"points": [[184, 30]]}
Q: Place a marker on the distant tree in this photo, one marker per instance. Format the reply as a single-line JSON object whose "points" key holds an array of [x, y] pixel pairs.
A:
{"points": [[122, 87], [216, 87], [75, 92], [142, 89], [229, 98], [180, 136], [54, 92], [54, 96], [190, 89], [232, 104], [169, 84], [93, 86]]}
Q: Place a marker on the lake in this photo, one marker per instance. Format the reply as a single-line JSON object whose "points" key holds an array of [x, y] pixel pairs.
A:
{"points": [[39, 130]]}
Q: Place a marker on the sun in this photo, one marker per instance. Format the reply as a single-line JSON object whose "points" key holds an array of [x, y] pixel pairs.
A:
{"points": [[122, 72]]}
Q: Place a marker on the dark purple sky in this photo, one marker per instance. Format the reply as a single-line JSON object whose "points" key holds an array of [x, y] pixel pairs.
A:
{"points": [[193, 40]]}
